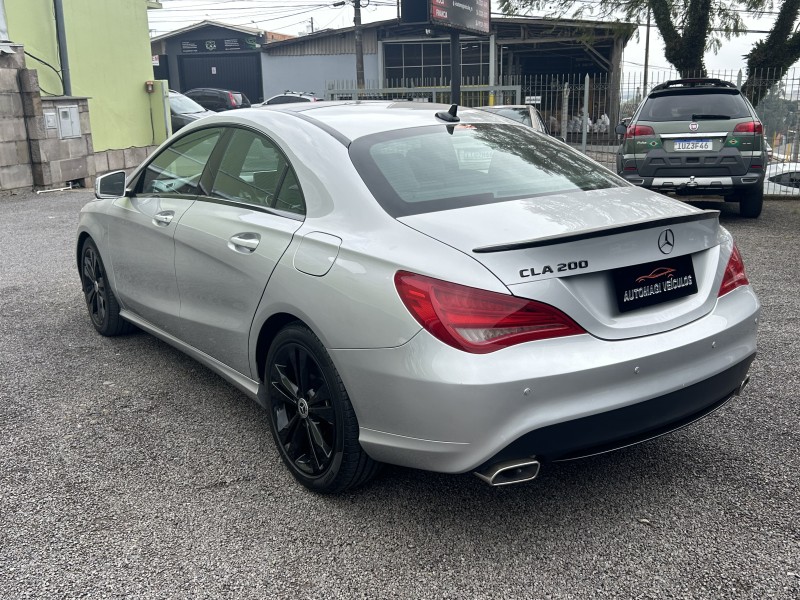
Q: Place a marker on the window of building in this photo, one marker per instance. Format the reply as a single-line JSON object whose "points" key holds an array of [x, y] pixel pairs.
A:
{"points": [[427, 64]]}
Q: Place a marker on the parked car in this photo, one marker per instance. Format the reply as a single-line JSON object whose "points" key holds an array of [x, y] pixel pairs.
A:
{"points": [[289, 97], [184, 110], [696, 136], [218, 100], [526, 114], [782, 179], [433, 287]]}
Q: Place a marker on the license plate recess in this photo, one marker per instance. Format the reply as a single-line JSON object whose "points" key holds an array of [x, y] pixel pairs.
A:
{"points": [[655, 282]]}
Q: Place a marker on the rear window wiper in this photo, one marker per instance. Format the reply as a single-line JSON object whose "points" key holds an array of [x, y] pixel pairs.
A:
{"points": [[704, 116]]}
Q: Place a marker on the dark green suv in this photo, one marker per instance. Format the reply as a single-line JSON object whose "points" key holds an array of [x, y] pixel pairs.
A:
{"points": [[696, 137]]}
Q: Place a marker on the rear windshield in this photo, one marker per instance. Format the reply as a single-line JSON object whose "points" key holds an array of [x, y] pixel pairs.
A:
{"points": [[182, 105], [686, 105], [428, 169]]}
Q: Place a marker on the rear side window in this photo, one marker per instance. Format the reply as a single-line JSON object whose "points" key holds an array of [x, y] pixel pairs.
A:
{"points": [[692, 105], [790, 179], [254, 171], [428, 169]]}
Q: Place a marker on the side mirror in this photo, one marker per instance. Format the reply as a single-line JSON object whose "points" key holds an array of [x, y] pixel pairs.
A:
{"points": [[110, 185], [621, 129]]}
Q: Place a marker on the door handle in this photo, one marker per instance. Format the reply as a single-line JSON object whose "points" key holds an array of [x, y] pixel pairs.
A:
{"points": [[164, 218], [244, 243]]}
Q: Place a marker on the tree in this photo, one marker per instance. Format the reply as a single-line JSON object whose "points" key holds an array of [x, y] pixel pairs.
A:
{"points": [[689, 28], [769, 59]]}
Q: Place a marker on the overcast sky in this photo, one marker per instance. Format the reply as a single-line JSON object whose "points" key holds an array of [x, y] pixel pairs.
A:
{"points": [[295, 16]]}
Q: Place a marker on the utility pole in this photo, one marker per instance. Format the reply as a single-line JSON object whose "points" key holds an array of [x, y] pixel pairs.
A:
{"points": [[61, 36], [359, 43], [455, 67], [312, 24], [359, 46], [646, 49]]}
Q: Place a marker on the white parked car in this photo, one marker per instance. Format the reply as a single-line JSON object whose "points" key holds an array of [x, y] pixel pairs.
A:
{"points": [[782, 179]]}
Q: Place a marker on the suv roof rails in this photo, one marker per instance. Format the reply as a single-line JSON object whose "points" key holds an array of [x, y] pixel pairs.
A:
{"points": [[694, 82]]}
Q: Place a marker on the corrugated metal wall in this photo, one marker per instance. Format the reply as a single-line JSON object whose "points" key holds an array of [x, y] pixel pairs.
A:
{"points": [[327, 45]]}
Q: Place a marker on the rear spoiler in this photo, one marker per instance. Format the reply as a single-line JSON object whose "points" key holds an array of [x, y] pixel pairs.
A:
{"points": [[566, 238]]}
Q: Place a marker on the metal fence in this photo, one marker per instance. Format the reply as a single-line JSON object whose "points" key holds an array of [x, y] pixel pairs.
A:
{"points": [[584, 109], [578, 107], [471, 94]]}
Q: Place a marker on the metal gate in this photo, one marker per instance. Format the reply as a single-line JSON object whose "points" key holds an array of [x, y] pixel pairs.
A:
{"points": [[239, 72], [471, 95]]}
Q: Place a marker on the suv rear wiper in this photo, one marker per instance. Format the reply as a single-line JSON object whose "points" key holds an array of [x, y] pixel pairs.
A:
{"points": [[703, 116]]}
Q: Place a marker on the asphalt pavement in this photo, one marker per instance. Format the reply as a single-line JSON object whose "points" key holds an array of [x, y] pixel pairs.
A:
{"points": [[127, 470]]}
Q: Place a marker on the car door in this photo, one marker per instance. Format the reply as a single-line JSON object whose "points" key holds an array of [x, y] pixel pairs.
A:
{"points": [[229, 241], [142, 226]]}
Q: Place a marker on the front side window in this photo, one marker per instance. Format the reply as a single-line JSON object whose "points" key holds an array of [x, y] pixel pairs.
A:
{"points": [[428, 169], [253, 170], [178, 168]]}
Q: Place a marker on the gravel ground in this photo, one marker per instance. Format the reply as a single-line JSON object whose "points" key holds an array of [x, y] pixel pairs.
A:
{"points": [[129, 470]]}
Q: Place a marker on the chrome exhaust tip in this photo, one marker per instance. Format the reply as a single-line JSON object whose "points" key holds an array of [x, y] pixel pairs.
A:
{"points": [[743, 385], [510, 471]]}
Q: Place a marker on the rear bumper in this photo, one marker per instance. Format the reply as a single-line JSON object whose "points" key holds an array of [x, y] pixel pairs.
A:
{"points": [[630, 425], [429, 406], [688, 184]]}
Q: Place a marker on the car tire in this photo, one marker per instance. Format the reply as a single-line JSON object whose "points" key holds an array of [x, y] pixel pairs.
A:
{"points": [[311, 418], [100, 300], [751, 203]]}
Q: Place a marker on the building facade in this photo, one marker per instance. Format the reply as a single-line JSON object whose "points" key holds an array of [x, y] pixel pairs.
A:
{"points": [[211, 54], [108, 52], [399, 55]]}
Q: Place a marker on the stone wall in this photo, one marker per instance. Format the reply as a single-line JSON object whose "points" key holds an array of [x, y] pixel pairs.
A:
{"points": [[15, 155], [57, 160], [36, 149], [121, 160]]}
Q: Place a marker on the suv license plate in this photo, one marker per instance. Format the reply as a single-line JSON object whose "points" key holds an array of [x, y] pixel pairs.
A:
{"points": [[652, 283], [690, 145]]}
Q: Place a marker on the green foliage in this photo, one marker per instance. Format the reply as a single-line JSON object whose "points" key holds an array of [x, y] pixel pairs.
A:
{"points": [[689, 28]]}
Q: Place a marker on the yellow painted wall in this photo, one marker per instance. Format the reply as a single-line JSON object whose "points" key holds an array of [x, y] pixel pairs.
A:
{"points": [[109, 59]]}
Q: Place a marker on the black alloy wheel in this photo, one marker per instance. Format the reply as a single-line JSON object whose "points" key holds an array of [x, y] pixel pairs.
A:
{"points": [[100, 300], [304, 416], [312, 420]]}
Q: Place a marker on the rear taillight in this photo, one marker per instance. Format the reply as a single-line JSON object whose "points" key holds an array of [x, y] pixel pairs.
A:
{"points": [[639, 131], [749, 127], [734, 273], [479, 321], [232, 99]]}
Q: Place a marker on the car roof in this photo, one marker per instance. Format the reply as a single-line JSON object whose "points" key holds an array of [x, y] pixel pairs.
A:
{"points": [[211, 89], [351, 119]]}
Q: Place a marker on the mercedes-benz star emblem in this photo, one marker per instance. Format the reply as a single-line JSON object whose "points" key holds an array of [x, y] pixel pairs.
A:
{"points": [[666, 241]]}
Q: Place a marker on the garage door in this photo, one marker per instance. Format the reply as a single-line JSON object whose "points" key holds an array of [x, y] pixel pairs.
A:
{"points": [[240, 72]]}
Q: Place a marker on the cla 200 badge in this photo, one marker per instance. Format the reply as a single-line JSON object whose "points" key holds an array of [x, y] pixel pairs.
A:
{"points": [[560, 268]]}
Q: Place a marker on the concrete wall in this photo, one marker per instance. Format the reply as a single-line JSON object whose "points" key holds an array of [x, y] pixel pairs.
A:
{"points": [[57, 161], [109, 55], [310, 73], [15, 160]]}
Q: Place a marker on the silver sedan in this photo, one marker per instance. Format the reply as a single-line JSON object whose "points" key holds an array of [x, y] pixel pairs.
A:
{"points": [[422, 285]]}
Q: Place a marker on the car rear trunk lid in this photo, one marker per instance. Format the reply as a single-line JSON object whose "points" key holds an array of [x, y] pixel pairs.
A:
{"points": [[573, 251]]}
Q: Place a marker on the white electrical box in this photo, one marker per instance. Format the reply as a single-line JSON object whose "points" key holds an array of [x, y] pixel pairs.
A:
{"points": [[69, 122], [50, 119]]}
